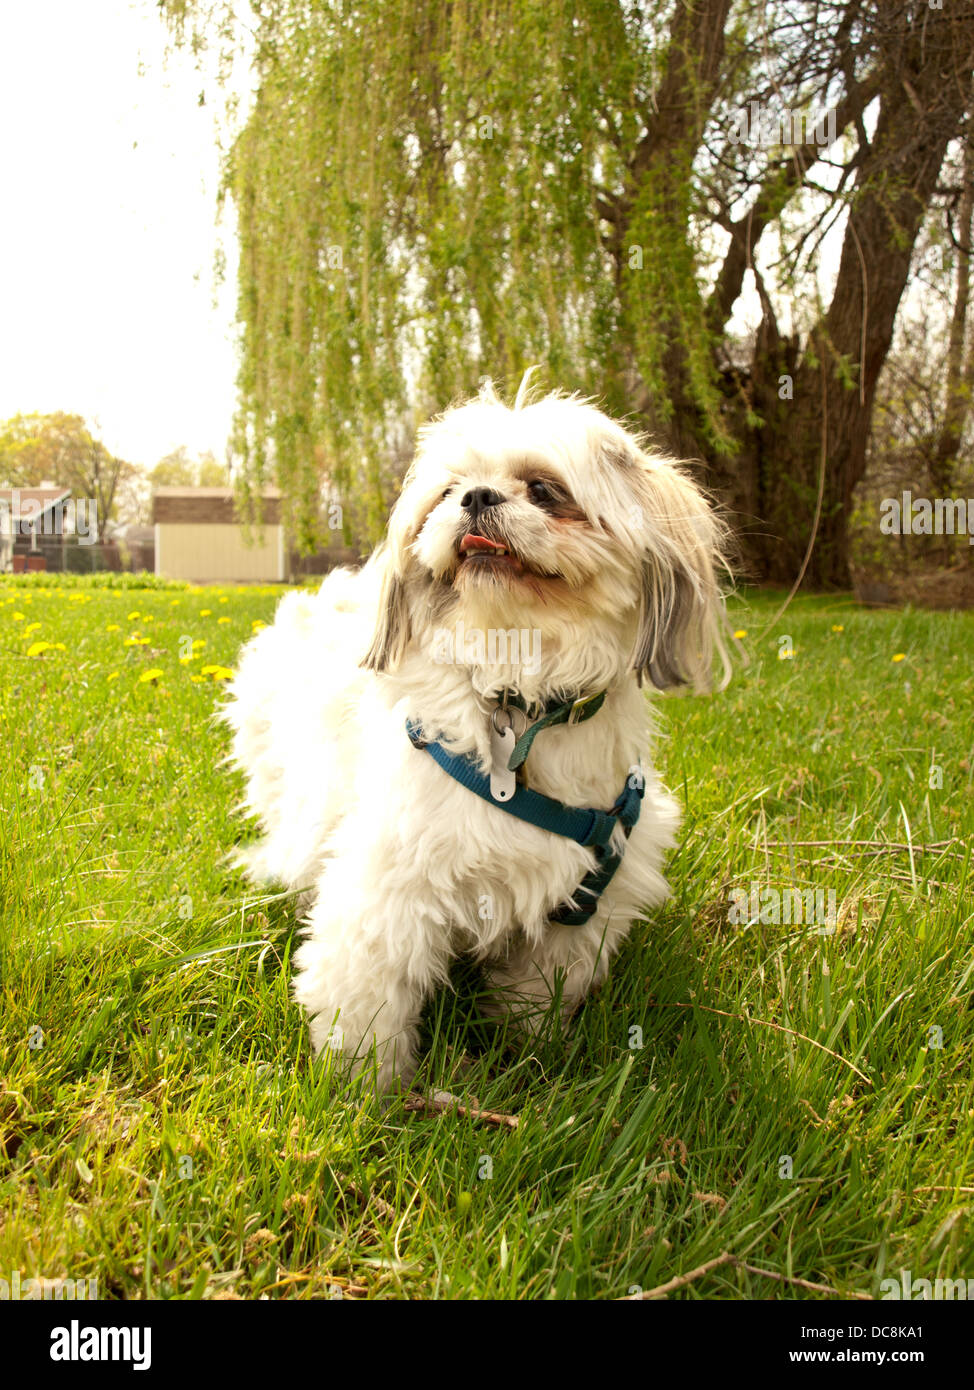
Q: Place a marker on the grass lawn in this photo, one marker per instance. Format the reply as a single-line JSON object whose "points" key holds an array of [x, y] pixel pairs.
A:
{"points": [[796, 1095]]}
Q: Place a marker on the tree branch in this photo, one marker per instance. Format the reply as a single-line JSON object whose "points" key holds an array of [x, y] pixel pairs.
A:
{"points": [[781, 181]]}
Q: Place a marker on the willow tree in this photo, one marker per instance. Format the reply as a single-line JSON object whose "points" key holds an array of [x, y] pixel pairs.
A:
{"points": [[431, 192]]}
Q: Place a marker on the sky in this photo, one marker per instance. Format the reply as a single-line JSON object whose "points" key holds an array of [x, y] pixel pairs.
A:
{"points": [[108, 175]]}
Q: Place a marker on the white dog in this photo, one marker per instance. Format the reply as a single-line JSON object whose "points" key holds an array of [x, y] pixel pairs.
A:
{"points": [[413, 733]]}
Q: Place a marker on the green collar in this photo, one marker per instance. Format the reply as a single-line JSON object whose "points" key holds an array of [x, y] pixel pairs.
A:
{"points": [[551, 713]]}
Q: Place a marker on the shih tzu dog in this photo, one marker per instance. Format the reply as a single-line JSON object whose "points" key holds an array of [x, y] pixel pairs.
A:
{"points": [[449, 750]]}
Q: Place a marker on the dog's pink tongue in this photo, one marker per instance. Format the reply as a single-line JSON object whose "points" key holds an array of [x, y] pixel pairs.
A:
{"points": [[471, 542]]}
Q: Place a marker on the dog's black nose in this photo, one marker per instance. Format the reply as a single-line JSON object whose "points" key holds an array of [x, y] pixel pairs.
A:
{"points": [[478, 499]]}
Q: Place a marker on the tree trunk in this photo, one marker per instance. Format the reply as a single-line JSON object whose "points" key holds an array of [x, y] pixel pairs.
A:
{"points": [[925, 90], [943, 460]]}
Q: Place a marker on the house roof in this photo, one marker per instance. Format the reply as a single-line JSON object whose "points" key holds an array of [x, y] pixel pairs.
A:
{"points": [[41, 500]]}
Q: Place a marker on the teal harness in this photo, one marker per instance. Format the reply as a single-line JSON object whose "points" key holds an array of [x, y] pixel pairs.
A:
{"points": [[587, 826]]}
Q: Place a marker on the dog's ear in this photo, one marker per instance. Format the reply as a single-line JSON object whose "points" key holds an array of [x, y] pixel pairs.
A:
{"points": [[392, 629], [403, 585], [682, 542]]}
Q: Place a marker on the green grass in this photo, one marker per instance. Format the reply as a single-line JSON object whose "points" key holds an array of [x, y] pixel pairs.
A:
{"points": [[171, 1135]]}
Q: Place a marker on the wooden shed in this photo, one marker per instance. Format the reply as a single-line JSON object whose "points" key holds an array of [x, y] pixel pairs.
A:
{"points": [[199, 538]]}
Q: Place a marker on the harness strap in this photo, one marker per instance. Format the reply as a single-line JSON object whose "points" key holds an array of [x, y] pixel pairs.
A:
{"points": [[587, 826]]}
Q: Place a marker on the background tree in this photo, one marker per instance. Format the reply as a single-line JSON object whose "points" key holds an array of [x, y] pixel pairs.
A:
{"points": [[60, 450], [177, 469], [921, 436], [429, 192], [959, 367], [210, 473]]}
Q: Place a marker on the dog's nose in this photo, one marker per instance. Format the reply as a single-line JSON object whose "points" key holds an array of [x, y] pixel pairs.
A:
{"points": [[478, 499]]}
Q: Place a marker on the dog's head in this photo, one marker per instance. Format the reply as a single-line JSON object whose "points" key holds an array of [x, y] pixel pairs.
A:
{"points": [[549, 516]]}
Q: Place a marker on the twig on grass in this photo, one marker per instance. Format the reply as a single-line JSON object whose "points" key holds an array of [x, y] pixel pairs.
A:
{"points": [[803, 1283], [944, 1189], [441, 1102], [870, 847], [838, 861], [353, 1290], [681, 1280], [726, 1258]]}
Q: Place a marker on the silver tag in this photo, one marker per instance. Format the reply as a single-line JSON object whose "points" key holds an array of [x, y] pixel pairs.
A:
{"points": [[503, 782]]}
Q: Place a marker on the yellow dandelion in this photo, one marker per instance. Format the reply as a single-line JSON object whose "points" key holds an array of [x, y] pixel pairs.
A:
{"points": [[197, 679], [133, 617], [113, 627], [223, 620], [837, 627], [136, 641], [900, 656], [224, 600], [112, 676], [741, 632], [31, 627], [198, 642], [219, 673], [19, 617], [206, 612], [36, 648], [258, 623], [152, 675]]}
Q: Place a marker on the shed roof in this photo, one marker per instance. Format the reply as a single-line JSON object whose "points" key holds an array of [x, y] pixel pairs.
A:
{"points": [[197, 505]]}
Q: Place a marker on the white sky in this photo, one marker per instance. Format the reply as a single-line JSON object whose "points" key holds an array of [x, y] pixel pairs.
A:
{"points": [[107, 230]]}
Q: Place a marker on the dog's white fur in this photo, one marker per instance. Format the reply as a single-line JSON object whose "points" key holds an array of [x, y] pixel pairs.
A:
{"points": [[404, 867]]}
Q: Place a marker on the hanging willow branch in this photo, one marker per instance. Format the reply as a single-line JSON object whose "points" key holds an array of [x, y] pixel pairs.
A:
{"points": [[425, 194]]}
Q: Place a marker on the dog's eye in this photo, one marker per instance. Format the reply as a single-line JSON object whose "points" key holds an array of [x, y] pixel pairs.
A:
{"points": [[543, 493], [446, 492]]}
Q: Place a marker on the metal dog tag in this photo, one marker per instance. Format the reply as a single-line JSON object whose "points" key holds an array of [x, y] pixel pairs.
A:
{"points": [[503, 782]]}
